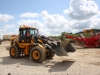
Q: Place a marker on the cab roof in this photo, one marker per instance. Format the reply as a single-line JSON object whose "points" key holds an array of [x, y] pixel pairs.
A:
{"points": [[25, 26]]}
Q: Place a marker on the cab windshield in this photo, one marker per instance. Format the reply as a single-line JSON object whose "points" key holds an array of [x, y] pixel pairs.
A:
{"points": [[36, 32], [33, 32]]}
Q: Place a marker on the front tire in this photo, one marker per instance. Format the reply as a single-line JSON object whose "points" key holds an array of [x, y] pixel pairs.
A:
{"points": [[50, 56], [14, 52], [37, 54]]}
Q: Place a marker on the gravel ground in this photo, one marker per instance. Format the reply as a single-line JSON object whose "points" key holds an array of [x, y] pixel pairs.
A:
{"points": [[82, 62]]}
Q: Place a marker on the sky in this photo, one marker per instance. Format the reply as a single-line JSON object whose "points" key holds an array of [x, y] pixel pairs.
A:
{"points": [[51, 17]]}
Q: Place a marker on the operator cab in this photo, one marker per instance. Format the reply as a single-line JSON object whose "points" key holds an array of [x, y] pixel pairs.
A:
{"points": [[26, 33]]}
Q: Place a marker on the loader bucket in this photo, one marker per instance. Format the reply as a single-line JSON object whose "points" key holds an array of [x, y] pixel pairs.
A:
{"points": [[67, 45], [60, 50], [64, 47]]}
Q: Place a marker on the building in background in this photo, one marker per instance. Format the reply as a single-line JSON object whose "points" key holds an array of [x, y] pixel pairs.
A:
{"points": [[93, 31], [6, 37]]}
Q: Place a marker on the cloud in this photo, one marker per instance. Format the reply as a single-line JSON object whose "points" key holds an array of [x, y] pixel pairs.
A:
{"points": [[83, 13], [95, 22], [29, 15], [5, 17], [9, 26], [51, 24], [33, 23], [74, 24], [55, 23], [82, 9], [81, 25], [6, 29]]}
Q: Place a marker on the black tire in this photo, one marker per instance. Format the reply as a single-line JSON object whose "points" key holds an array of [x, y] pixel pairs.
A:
{"points": [[37, 54], [14, 52], [50, 56], [0, 41]]}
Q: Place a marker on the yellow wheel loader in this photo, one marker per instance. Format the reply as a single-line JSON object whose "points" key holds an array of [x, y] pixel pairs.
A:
{"points": [[30, 43]]}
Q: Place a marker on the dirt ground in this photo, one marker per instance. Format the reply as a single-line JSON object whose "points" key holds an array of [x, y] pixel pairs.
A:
{"points": [[82, 62]]}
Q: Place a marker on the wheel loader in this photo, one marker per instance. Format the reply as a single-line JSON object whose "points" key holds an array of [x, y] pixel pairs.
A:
{"points": [[38, 47]]}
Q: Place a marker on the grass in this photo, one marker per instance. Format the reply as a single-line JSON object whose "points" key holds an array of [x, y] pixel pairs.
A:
{"points": [[85, 34]]}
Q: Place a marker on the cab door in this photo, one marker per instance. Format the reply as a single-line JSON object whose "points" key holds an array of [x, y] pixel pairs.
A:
{"points": [[22, 35], [28, 35]]}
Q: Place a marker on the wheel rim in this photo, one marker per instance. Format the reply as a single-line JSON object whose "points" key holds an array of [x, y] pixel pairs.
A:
{"points": [[36, 55], [13, 51]]}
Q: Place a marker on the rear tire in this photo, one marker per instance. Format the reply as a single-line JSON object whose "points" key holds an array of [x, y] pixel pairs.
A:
{"points": [[0, 41], [14, 52], [37, 54]]}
